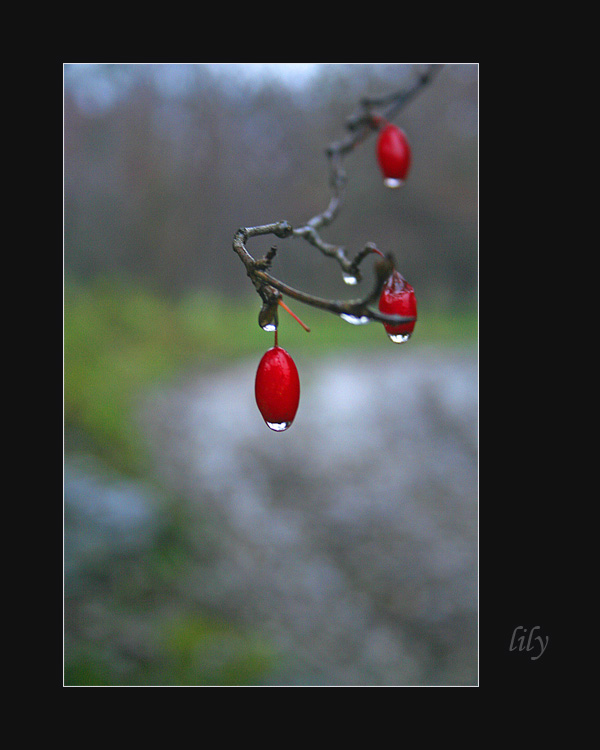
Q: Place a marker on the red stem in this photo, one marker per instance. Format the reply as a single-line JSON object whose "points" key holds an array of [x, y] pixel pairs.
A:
{"points": [[285, 307]]}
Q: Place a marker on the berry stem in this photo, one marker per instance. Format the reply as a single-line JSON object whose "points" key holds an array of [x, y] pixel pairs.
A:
{"points": [[285, 307]]}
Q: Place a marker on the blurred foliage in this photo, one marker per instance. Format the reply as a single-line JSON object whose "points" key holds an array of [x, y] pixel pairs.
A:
{"points": [[128, 621], [120, 338], [200, 651], [186, 650]]}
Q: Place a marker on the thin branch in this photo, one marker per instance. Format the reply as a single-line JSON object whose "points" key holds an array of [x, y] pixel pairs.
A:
{"points": [[357, 309], [359, 125]]}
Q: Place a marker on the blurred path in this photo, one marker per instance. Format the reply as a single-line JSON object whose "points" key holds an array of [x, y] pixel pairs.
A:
{"points": [[350, 540]]}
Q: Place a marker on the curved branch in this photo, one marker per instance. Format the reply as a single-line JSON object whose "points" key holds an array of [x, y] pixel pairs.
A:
{"points": [[359, 309], [271, 288], [359, 125]]}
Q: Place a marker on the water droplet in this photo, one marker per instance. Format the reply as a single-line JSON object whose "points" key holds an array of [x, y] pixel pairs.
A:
{"points": [[267, 317], [278, 426], [393, 182], [350, 278], [399, 338], [355, 320]]}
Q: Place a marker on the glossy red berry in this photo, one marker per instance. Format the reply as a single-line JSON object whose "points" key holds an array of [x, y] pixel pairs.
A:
{"points": [[398, 298], [277, 388], [394, 155]]}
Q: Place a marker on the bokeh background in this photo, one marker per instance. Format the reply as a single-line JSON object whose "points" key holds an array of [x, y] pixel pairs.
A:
{"points": [[200, 548]]}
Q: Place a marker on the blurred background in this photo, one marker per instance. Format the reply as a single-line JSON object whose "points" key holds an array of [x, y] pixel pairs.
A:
{"points": [[200, 548]]}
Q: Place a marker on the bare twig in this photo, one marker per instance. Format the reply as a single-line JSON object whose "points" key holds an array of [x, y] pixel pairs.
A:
{"points": [[359, 126]]}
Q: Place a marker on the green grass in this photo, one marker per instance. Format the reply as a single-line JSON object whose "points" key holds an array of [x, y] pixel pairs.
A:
{"points": [[121, 338], [182, 649]]}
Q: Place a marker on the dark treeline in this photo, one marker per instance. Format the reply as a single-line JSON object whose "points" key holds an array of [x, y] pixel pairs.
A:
{"points": [[163, 163]]}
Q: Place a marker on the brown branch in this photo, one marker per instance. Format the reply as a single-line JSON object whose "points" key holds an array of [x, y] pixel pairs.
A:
{"points": [[359, 125]]}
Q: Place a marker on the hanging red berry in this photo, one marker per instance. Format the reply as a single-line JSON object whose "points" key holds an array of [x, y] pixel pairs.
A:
{"points": [[393, 155], [277, 388], [398, 298]]}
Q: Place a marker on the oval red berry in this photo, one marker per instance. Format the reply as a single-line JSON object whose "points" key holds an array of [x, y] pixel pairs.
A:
{"points": [[277, 388], [398, 298], [394, 155]]}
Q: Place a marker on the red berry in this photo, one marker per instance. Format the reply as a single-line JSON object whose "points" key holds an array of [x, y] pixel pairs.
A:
{"points": [[398, 298], [277, 388], [394, 155]]}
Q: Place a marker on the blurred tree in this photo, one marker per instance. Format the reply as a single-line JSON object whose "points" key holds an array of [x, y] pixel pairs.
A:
{"points": [[164, 162]]}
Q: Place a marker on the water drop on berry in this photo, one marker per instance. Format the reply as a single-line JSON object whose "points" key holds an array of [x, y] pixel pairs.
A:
{"points": [[393, 182], [399, 338], [278, 426]]}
